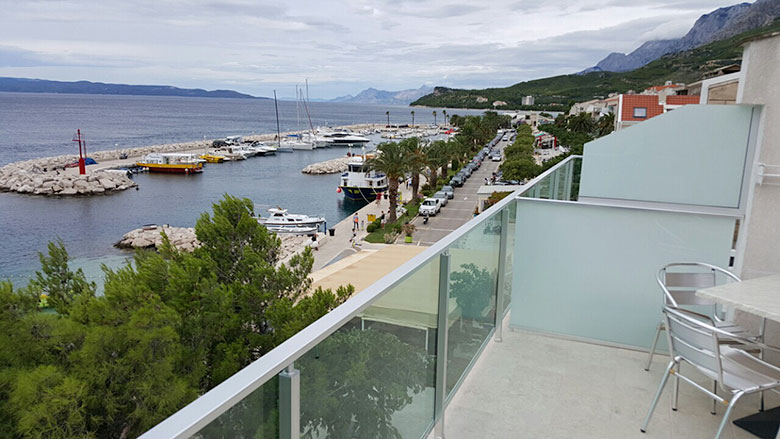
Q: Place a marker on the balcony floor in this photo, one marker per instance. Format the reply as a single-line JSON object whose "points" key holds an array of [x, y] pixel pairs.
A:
{"points": [[536, 386]]}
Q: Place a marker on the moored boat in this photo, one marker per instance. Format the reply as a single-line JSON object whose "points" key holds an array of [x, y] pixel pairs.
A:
{"points": [[212, 158], [361, 183], [279, 218], [176, 163]]}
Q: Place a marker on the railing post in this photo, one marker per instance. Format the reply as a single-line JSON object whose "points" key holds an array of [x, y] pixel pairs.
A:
{"points": [[502, 243], [441, 343], [290, 403], [569, 179]]}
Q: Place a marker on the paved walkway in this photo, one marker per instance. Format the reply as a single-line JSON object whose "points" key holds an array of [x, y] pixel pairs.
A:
{"points": [[340, 246]]}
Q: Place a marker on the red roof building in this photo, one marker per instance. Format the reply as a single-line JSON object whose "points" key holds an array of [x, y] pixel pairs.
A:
{"points": [[632, 109]]}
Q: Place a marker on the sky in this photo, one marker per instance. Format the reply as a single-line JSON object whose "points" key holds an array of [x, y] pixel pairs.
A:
{"points": [[341, 47]]}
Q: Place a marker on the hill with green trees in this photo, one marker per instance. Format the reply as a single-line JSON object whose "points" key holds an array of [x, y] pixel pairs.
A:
{"points": [[559, 92]]}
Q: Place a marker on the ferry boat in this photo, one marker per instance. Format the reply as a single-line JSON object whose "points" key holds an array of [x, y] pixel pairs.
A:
{"points": [[281, 221], [177, 163], [361, 183]]}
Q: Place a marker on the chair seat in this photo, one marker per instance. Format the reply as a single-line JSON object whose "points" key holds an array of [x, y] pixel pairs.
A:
{"points": [[742, 370]]}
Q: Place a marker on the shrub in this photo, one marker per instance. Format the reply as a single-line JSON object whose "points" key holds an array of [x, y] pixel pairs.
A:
{"points": [[371, 227]]}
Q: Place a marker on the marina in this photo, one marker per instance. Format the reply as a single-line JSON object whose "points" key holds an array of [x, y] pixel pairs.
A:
{"points": [[122, 129]]}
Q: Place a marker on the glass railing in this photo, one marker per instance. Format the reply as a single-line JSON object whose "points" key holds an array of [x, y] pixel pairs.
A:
{"points": [[385, 363]]}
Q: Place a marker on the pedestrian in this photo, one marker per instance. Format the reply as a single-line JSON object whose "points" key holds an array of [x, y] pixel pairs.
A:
{"points": [[487, 182], [355, 222], [362, 225], [378, 198], [314, 244], [382, 217]]}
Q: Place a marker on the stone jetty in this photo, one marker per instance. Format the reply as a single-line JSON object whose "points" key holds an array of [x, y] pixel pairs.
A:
{"points": [[56, 182], [183, 238], [328, 167]]}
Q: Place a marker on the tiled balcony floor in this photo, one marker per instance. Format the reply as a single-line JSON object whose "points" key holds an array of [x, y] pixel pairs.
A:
{"points": [[535, 386]]}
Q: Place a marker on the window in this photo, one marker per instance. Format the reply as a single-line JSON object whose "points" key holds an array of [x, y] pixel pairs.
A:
{"points": [[640, 112]]}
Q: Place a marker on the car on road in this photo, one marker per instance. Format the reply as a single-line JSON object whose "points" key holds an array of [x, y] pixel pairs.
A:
{"points": [[430, 207], [457, 181], [496, 157], [442, 197], [449, 190]]}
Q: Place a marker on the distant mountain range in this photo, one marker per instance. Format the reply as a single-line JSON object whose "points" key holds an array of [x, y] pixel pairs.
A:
{"points": [[717, 25], [23, 85], [557, 92], [384, 97]]}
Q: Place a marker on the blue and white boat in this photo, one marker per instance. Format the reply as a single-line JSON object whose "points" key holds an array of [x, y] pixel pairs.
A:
{"points": [[360, 183]]}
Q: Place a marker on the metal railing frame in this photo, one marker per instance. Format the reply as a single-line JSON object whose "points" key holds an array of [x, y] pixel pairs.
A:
{"points": [[199, 413]]}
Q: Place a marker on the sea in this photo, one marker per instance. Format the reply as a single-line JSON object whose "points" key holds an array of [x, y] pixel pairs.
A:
{"points": [[39, 125]]}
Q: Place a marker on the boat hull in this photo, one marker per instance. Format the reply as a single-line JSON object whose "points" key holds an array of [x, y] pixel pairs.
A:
{"points": [[173, 168], [361, 193]]}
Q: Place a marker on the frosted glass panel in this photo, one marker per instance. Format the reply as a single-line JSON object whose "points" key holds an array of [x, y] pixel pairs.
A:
{"points": [[701, 163], [589, 271]]}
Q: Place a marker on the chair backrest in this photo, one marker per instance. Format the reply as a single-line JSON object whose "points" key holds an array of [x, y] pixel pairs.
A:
{"points": [[680, 280], [693, 339]]}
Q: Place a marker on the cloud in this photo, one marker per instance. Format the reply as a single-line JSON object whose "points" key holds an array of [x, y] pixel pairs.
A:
{"points": [[342, 46]]}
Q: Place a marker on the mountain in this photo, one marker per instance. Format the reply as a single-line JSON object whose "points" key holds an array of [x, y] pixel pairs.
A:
{"points": [[384, 97], [23, 85], [717, 25], [555, 93]]}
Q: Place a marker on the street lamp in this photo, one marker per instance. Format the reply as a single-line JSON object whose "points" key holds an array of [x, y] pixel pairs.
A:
{"points": [[412, 118], [387, 113]]}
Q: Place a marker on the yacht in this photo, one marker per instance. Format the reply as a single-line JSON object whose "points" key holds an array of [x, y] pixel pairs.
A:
{"points": [[361, 183], [281, 221], [342, 138]]}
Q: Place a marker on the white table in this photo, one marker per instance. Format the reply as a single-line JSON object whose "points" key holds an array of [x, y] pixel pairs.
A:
{"points": [[761, 297]]}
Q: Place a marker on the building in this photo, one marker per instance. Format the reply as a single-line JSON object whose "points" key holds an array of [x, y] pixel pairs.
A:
{"points": [[632, 109], [568, 263], [528, 100]]}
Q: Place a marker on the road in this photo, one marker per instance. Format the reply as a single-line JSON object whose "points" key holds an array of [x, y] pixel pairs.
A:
{"points": [[460, 209]]}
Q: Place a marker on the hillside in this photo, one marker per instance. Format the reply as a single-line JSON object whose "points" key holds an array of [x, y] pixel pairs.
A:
{"points": [[374, 96], [24, 85], [558, 92]]}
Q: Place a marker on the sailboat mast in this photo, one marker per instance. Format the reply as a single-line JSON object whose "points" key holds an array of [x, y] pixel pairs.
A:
{"points": [[306, 106], [278, 131]]}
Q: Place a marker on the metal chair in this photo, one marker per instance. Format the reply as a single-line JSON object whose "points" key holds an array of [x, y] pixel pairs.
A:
{"points": [[679, 286], [695, 340]]}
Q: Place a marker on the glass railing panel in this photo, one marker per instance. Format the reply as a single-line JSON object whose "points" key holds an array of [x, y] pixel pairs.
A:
{"points": [[506, 287], [375, 376], [256, 416], [473, 278]]}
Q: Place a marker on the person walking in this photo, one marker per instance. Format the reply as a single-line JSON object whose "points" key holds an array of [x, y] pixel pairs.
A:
{"points": [[355, 222]]}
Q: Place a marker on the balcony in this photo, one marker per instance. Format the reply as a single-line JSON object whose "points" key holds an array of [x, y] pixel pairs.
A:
{"points": [[528, 320]]}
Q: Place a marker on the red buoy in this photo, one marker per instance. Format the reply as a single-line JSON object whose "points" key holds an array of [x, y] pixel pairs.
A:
{"points": [[338, 190]]}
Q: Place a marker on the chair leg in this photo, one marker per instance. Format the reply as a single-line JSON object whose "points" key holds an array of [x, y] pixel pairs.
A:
{"points": [[655, 342], [676, 387], [727, 415], [714, 401], [657, 396]]}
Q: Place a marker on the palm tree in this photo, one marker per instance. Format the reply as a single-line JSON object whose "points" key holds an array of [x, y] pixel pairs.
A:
{"points": [[434, 117], [416, 161], [392, 161], [605, 124], [387, 113], [437, 157], [444, 112], [412, 118]]}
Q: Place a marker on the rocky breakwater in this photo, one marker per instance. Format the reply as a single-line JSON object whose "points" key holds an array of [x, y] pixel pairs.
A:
{"points": [[37, 181], [333, 166], [183, 238]]}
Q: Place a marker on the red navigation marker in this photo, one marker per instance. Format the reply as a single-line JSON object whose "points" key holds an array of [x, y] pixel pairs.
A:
{"points": [[82, 165]]}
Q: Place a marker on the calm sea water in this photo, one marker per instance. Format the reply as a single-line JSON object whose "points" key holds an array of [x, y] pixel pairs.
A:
{"points": [[38, 125]]}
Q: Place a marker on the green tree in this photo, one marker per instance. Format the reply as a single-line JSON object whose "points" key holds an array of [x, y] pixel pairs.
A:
{"points": [[581, 123], [391, 160], [60, 285], [355, 380], [417, 161], [605, 124]]}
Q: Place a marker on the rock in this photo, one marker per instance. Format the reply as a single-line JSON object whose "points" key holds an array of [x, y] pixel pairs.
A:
{"points": [[107, 183], [69, 191]]}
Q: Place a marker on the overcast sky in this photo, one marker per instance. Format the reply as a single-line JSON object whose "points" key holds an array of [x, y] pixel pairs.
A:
{"points": [[342, 47]]}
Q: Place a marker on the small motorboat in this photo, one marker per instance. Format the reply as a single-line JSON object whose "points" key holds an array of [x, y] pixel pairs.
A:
{"points": [[279, 218]]}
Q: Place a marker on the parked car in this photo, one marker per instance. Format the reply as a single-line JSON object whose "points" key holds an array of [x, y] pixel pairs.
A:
{"points": [[442, 197], [430, 207], [457, 181], [449, 190], [496, 157]]}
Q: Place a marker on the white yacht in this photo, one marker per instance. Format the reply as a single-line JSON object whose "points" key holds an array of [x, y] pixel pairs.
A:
{"points": [[281, 221], [342, 138]]}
